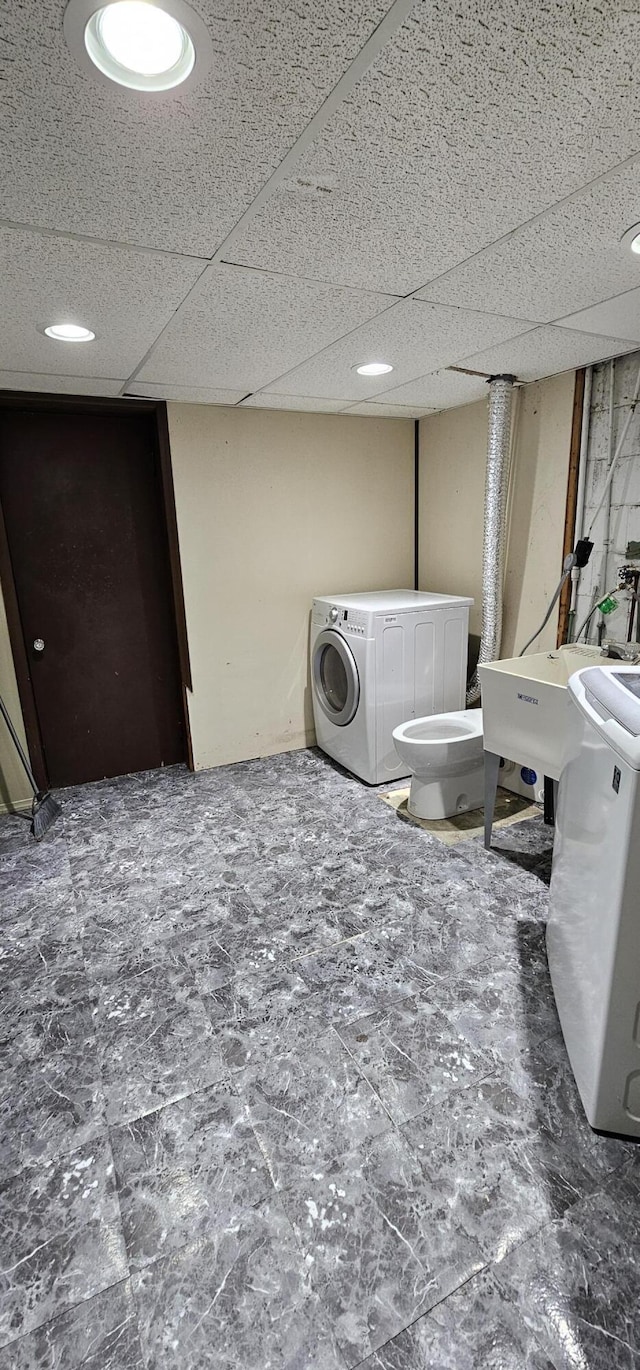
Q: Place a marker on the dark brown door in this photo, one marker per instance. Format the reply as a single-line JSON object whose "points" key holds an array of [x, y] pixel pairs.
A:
{"points": [[82, 501]]}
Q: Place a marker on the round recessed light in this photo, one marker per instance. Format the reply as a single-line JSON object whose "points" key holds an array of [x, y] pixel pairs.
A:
{"points": [[374, 369], [69, 332], [139, 44], [632, 238]]}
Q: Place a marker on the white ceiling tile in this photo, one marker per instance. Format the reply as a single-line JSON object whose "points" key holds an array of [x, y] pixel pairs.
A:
{"points": [[413, 337], [545, 352], [468, 123], [302, 403], [189, 394], [570, 258], [620, 316], [60, 385], [441, 390], [124, 296], [241, 328], [170, 170], [374, 409]]}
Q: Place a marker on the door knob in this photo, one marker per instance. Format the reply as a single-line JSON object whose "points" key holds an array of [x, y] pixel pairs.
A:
{"points": [[38, 644]]}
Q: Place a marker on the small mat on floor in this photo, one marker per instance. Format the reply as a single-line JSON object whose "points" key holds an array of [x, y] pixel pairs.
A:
{"points": [[510, 808]]}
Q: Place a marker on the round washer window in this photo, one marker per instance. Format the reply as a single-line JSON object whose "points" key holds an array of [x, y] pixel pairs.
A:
{"points": [[335, 678]]}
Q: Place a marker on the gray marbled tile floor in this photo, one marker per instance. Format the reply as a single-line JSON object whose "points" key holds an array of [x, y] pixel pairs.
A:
{"points": [[282, 1087]]}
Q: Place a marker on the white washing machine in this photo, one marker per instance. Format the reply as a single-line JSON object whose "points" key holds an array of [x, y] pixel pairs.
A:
{"points": [[593, 934], [377, 660]]}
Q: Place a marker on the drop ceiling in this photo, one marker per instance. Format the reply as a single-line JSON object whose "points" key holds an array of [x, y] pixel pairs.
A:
{"points": [[435, 185]]}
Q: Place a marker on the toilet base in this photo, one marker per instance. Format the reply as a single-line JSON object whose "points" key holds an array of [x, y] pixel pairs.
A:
{"points": [[445, 795]]}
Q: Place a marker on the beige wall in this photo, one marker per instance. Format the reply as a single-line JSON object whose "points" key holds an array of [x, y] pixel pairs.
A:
{"points": [[14, 789], [452, 465], [274, 508]]}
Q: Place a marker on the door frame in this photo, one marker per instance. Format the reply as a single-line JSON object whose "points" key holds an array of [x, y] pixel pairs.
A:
{"points": [[25, 399]]}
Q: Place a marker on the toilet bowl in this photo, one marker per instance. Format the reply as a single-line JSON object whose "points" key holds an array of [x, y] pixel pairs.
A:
{"points": [[444, 755]]}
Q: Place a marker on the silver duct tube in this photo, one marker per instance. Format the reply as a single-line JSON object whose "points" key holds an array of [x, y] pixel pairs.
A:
{"points": [[495, 502]]}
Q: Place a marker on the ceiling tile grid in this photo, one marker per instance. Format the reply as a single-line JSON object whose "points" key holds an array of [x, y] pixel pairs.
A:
{"points": [[545, 352], [371, 409], [241, 329], [440, 390], [620, 316], [298, 403], [466, 125], [187, 394], [437, 170], [567, 260], [413, 337], [60, 385], [124, 296], [173, 172]]}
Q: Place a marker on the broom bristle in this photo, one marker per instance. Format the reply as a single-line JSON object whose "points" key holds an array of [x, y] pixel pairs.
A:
{"points": [[44, 812]]}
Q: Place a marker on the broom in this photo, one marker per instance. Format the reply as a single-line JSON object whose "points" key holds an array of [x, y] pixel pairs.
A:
{"points": [[44, 809]]}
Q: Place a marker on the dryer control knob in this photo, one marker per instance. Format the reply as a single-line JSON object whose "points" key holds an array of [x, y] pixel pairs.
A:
{"points": [[333, 614]]}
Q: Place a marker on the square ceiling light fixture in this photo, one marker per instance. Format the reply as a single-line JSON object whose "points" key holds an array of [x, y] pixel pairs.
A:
{"points": [[138, 44]]}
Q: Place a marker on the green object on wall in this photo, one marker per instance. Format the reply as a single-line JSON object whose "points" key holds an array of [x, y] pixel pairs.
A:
{"points": [[633, 550], [607, 605]]}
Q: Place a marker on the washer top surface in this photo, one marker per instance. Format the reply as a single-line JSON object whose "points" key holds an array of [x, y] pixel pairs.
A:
{"points": [[611, 698], [393, 601]]}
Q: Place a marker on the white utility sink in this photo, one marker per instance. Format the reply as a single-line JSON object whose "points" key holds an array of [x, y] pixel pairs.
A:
{"points": [[524, 711], [524, 703]]}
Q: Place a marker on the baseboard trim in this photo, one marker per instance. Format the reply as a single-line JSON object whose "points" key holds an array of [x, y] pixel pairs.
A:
{"points": [[18, 806]]}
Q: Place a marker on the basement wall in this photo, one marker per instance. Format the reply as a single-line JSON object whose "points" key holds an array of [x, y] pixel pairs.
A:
{"points": [[274, 509], [612, 381], [453, 448]]}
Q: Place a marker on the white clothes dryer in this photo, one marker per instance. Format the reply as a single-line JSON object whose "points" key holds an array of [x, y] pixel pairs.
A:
{"points": [[377, 660]]}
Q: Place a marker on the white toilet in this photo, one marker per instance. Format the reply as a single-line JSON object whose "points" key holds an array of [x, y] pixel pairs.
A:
{"points": [[445, 756]]}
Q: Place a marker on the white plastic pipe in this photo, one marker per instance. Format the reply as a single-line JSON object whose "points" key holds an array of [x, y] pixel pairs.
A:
{"points": [[582, 480]]}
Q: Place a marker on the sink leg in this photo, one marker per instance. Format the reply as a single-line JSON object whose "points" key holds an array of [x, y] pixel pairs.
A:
{"points": [[491, 773]]}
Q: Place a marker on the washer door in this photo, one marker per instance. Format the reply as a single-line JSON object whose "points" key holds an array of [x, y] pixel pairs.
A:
{"points": [[335, 678]]}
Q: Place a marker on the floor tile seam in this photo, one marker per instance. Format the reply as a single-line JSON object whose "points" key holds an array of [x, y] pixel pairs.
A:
{"points": [[327, 1317], [172, 1099], [475, 1275], [229, 1084], [64, 1312], [110, 986], [326, 947], [98, 1131], [363, 1076], [50, 1005], [69, 1308], [508, 1292]]}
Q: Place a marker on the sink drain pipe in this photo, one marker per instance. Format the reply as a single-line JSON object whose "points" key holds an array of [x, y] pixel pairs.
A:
{"points": [[495, 503]]}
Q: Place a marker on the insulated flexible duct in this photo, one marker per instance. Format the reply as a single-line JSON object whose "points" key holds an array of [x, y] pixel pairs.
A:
{"points": [[495, 501]]}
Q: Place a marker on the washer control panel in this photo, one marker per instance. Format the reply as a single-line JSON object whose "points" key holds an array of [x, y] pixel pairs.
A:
{"points": [[348, 621], [352, 621]]}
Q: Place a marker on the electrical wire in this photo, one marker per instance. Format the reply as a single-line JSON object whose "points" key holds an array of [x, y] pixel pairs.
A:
{"points": [[569, 564]]}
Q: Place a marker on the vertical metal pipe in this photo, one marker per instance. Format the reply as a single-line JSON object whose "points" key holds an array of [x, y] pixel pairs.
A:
{"points": [[495, 498]]}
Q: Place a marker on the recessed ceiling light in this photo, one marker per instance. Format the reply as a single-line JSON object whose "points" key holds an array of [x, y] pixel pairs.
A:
{"points": [[139, 44], [374, 369], [69, 332], [632, 238]]}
